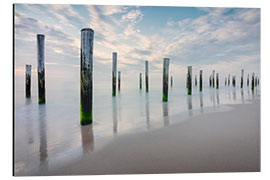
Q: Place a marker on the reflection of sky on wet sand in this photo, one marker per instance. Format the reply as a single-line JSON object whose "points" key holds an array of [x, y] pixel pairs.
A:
{"points": [[46, 135]]}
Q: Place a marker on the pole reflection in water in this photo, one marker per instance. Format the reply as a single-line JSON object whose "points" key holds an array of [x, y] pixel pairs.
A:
{"points": [[234, 94], [189, 103], [29, 123], [201, 102], [217, 97], [212, 97], [242, 96], [114, 112], [165, 114], [147, 111], [87, 137], [43, 151]]}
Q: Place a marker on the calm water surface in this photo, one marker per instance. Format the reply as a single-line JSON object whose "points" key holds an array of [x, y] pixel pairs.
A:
{"points": [[48, 136]]}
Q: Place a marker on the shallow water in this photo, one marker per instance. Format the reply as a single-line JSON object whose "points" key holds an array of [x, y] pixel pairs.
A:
{"points": [[48, 136]]}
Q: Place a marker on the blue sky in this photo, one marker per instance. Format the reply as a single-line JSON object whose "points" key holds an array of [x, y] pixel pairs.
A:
{"points": [[224, 39]]}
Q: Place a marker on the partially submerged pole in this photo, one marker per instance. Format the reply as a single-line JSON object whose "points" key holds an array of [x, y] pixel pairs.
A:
{"points": [[256, 81], [233, 81], [213, 78], [140, 80], [114, 70], [217, 81], [171, 81], [252, 81], [229, 77], [86, 107], [28, 80], [248, 80], [210, 80], [119, 80], [195, 79], [225, 81], [201, 80], [166, 63], [242, 78], [146, 77], [189, 80], [41, 68]]}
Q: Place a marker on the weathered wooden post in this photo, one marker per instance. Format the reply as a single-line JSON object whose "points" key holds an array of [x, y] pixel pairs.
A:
{"points": [[256, 81], [41, 68], [86, 108], [119, 80], [252, 81], [140, 80], [171, 81], [213, 78], [114, 70], [217, 81], [195, 79], [28, 80], [189, 80], [242, 78], [210, 80], [146, 77], [225, 81], [166, 62], [201, 80], [248, 80], [229, 77], [233, 81]]}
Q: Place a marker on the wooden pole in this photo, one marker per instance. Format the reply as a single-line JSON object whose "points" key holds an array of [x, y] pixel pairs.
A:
{"points": [[252, 81], [201, 80], [217, 81], [225, 81], [166, 63], [86, 107], [28, 80], [140, 80], [233, 81], [171, 81], [242, 78], [248, 80], [119, 80], [210, 80], [213, 78], [146, 77], [189, 80], [41, 68], [229, 77], [114, 70], [195, 79]]}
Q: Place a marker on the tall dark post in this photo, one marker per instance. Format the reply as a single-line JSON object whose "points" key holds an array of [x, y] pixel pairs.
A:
{"points": [[114, 70], [166, 63], [171, 81], [140, 80], [242, 78], [195, 79], [86, 107], [210, 80], [189, 80], [41, 68], [233, 81], [119, 80], [252, 81], [213, 78], [146, 77], [256, 81], [217, 81], [201, 80], [248, 80], [225, 81], [229, 77], [28, 80]]}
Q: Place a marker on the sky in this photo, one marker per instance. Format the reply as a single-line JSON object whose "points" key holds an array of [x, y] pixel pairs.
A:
{"points": [[222, 39]]}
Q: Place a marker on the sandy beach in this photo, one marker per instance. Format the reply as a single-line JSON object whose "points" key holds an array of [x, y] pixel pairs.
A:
{"points": [[216, 142]]}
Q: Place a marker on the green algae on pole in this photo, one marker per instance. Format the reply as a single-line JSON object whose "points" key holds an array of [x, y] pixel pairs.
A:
{"points": [[213, 78], [41, 68], [146, 77], [217, 81], [166, 63], [252, 81], [86, 107], [28, 80], [114, 69], [242, 78], [189, 80], [201, 79], [119, 80], [140, 80]]}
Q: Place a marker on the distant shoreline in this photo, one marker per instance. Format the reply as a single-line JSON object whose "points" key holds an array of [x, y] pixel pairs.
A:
{"points": [[214, 142]]}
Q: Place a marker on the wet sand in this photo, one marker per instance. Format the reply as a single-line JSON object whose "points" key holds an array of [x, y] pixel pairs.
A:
{"points": [[216, 142]]}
